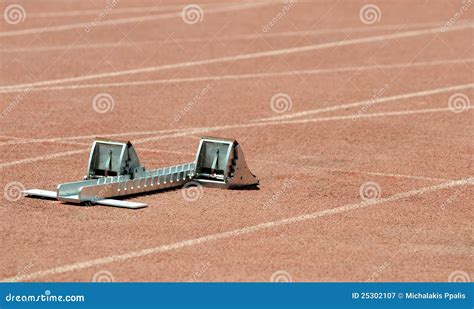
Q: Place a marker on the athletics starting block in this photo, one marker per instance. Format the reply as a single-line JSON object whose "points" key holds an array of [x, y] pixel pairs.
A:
{"points": [[114, 171]]}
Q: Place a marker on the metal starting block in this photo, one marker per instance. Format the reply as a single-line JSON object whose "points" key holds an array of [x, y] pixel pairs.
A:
{"points": [[115, 171]]}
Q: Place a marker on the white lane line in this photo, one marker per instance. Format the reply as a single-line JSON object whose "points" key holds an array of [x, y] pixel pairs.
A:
{"points": [[306, 166], [236, 37], [42, 158], [80, 46], [166, 151], [238, 232], [346, 171], [115, 10], [339, 30], [72, 138], [250, 76], [269, 53], [126, 20], [368, 102], [392, 175], [191, 131], [10, 137], [441, 250]]}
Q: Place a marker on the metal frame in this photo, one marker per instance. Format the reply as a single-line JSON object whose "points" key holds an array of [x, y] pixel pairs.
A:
{"points": [[100, 189]]}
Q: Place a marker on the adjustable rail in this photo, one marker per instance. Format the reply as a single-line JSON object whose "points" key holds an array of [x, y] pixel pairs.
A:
{"points": [[114, 171]]}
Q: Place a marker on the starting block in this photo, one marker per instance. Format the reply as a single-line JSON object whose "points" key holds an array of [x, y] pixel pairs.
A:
{"points": [[114, 171]]}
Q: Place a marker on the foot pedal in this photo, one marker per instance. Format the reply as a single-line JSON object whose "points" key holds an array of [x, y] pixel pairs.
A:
{"points": [[112, 158], [221, 163]]}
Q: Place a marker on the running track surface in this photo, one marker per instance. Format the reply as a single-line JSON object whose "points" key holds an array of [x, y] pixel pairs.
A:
{"points": [[377, 105]]}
